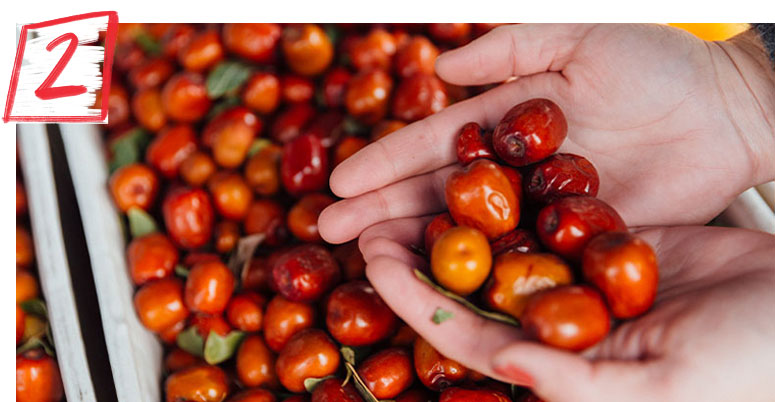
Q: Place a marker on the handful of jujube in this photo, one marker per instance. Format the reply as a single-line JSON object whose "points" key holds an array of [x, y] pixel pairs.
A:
{"points": [[525, 234]]}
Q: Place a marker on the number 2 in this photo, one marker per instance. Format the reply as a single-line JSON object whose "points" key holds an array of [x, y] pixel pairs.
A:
{"points": [[46, 91]]}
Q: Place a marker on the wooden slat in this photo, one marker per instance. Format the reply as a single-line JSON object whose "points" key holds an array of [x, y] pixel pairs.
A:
{"points": [[52, 263], [135, 354]]}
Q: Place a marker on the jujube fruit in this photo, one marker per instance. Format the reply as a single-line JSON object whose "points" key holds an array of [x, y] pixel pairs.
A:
{"points": [[572, 317], [357, 316], [530, 132], [624, 268], [461, 259]]}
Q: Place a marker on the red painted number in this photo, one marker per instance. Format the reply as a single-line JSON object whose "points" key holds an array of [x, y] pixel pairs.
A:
{"points": [[46, 91]]}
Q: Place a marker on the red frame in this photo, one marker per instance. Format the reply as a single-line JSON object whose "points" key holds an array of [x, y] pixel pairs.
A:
{"points": [[110, 42]]}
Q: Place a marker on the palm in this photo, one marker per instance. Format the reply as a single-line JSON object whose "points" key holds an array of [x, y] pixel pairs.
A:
{"points": [[642, 103], [714, 306]]}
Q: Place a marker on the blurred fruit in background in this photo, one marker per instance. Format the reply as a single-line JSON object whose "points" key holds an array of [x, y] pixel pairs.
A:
{"points": [[712, 31]]}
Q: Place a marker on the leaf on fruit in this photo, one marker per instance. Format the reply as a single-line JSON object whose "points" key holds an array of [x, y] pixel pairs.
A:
{"points": [[359, 384], [226, 78], [221, 348], [354, 354], [258, 145], [140, 222], [417, 250], [441, 315], [311, 383], [149, 45], [224, 104], [35, 306], [348, 354], [479, 311], [34, 343], [181, 271], [352, 126], [128, 148], [190, 341], [245, 249], [333, 32]]}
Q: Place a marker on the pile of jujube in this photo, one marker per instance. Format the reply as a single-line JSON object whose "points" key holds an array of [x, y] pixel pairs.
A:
{"points": [[223, 133], [525, 234]]}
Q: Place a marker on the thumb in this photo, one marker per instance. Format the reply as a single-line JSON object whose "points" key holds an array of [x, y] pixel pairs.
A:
{"points": [[511, 51], [559, 376]]}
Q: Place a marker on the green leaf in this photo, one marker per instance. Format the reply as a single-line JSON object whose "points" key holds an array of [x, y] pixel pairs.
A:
{"points": [[34, 343], [479, 311], [190, 341], [35, 306], [140, 222], [227, 77], [352, 126], [441, 315], [246, 247], [311, 383], [333, 32], [220, 348], [224, 104], [149, 45], [128, 148], [320, 98], [257, 145], [181, 271]]}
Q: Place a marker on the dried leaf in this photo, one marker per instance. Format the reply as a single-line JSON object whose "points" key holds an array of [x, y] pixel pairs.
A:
{"points": [[181, 271], [348, 354], [34, 343], [311, 383], [221, 348], [140, 222], [359, 384], [244, 251], [479, 311]]}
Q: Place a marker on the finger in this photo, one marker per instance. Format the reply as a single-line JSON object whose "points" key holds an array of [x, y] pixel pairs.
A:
{"points": [[429, 144], [511, 51], [403, 233], [475, 339], [560, 376], [416, 196]]}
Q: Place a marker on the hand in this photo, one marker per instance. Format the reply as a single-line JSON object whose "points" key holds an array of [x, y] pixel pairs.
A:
{"points": [[676, 126], [709, 336]]}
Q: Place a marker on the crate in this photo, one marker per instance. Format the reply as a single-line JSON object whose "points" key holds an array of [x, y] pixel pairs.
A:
{"points": [[53, 269], [135, 354]]}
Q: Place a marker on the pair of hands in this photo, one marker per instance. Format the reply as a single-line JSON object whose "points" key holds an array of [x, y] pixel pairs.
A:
{"points": [[676, 127]]}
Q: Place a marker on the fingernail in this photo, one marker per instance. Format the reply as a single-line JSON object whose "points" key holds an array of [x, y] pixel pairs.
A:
{"points": [[515, 375]]}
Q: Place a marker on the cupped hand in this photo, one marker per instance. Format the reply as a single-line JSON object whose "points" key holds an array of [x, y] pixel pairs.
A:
{"points": [[676, 126], [708, 336]]}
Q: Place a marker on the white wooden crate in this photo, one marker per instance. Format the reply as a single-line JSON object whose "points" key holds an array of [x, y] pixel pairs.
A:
{"points": [[135, 354], [52, 264]]}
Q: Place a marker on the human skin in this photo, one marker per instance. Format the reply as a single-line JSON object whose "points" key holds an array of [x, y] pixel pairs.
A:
{"points": [[712, 321], [677, 127]]}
